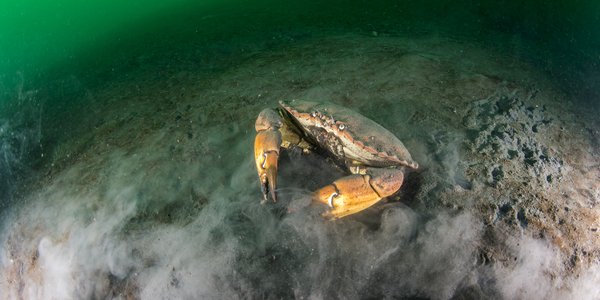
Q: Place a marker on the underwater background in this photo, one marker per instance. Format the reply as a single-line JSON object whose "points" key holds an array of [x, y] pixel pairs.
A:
{"points": [[126, 133]]}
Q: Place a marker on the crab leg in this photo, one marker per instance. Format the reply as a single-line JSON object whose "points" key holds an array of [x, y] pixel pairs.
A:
{"points": [[351, 194], [266, 151]]}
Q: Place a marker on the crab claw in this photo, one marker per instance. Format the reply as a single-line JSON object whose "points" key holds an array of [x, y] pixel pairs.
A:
{"points": [[351, 194], [266, 152]]}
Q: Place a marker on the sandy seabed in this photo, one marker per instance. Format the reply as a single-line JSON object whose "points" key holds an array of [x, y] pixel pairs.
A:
{"points": [[160, 199]]}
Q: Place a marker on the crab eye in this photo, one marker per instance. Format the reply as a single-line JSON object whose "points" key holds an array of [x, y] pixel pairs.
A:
{"points": [[342, 126], [313, 114]]}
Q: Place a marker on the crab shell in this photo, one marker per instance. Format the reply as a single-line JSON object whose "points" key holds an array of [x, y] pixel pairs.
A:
{"points": [[348, 135]]}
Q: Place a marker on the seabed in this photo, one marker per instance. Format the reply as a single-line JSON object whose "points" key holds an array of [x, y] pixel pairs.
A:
{"points": [[152, 193]]}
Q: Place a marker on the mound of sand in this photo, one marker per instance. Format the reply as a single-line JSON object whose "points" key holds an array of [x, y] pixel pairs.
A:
{"points": [[159, 197]]}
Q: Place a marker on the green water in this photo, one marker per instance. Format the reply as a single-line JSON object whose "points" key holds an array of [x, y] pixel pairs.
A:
{"points": [[37, 35]]}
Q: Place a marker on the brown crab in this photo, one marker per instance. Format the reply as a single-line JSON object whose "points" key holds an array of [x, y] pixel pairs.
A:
{"points": [[374, 158]]}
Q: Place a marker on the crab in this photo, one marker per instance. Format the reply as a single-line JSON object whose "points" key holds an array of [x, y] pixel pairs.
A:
{"points": [[374, 159]]}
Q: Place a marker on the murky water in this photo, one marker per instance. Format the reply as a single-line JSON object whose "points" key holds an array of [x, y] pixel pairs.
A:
{"points": [[126, 135]]}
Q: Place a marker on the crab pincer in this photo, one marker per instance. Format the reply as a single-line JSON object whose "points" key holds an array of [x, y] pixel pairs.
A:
{"points": [[266, 151]]}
